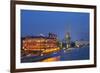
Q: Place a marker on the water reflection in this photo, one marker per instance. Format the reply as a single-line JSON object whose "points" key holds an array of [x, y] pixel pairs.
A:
{"points": [[52, 59], [62, 55]]}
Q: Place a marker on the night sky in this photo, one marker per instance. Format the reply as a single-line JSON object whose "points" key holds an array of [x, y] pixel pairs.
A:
{"points": [[34, 23]]}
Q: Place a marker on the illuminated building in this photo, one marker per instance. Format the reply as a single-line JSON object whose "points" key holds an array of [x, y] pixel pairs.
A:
{"points": [[81, 43], [68, 42], [40, 44]]}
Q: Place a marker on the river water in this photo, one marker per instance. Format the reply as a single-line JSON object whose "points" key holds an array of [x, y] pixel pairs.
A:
{"points": [[62, 55]]}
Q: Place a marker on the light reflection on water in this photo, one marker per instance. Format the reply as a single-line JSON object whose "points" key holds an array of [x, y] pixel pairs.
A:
{"points": [[62, 55], [52, 59]]}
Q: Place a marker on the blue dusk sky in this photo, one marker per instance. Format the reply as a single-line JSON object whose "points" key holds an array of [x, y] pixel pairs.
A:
{"points": [[34, 23]]}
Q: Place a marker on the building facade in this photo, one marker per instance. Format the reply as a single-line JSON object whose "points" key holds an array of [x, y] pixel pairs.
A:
{"points": [[40, 44]]}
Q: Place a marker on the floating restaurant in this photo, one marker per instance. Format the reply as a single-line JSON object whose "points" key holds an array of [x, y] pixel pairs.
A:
{"points": [[39, 45]]}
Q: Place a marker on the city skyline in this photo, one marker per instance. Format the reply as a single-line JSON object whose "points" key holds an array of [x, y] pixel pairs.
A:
{"points": [[42, 22]]}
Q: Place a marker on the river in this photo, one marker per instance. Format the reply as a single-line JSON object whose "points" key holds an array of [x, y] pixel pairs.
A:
{"points": [[62, 55]]}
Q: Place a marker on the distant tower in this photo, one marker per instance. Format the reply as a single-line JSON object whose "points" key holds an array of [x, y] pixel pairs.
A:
{"points": [[68, 40]]}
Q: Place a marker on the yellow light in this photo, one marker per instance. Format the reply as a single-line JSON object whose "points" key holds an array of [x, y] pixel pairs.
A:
{"points": [[52, 59]]}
